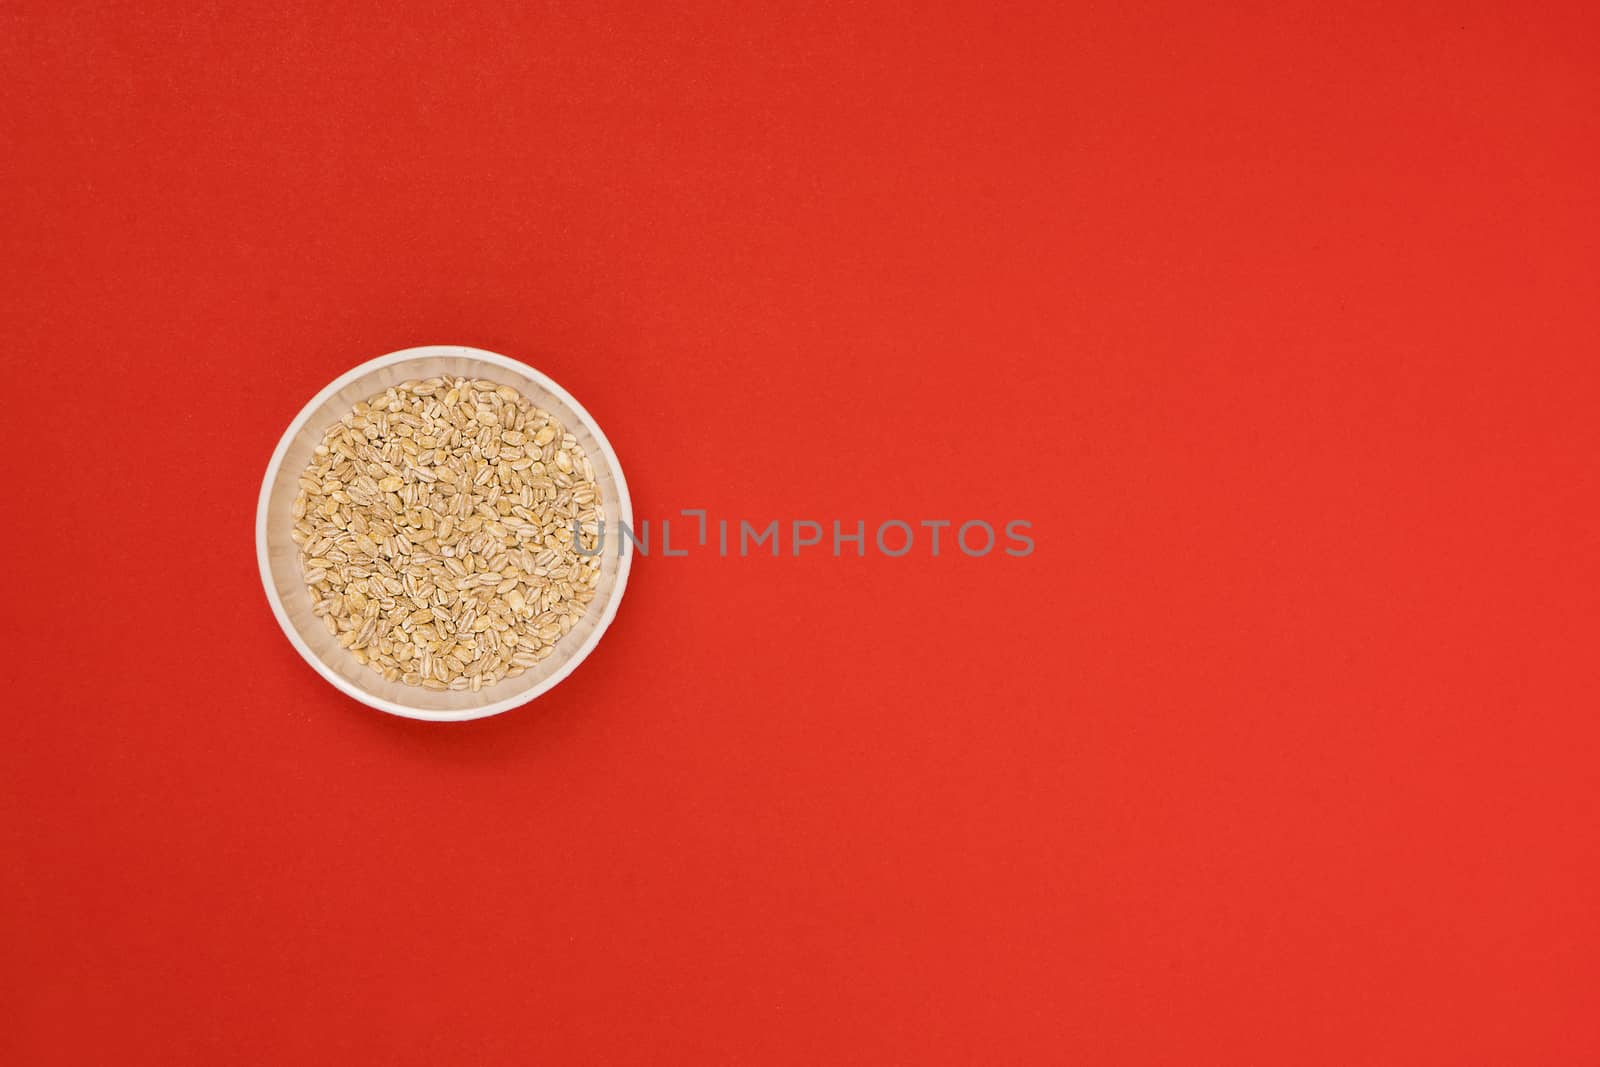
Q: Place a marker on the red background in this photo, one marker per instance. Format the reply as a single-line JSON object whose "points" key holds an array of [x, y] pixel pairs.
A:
{"points": [[1279, 323]]}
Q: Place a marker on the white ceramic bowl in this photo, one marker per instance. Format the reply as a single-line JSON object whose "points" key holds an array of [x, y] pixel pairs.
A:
{"points": [[279, 556]]}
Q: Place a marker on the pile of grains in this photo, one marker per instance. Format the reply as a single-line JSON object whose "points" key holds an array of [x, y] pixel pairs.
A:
{"points": [[435, 524]]}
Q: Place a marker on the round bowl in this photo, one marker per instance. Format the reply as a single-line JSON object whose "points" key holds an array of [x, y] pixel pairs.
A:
{"points": [[279, 556]]}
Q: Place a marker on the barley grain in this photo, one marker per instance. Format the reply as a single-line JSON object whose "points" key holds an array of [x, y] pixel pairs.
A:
{"points": [[435, 523]]}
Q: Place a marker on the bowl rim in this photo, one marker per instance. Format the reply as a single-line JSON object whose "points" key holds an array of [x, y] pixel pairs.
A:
{"points": [[608, 610]]}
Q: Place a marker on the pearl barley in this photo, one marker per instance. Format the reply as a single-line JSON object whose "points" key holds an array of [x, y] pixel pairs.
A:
{"points": [[435, 524]]}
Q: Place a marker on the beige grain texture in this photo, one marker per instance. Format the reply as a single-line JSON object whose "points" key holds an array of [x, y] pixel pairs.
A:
{"points": [[435, 524]]}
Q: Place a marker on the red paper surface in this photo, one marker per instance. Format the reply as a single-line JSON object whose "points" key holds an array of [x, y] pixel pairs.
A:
{"points": [[1277, 322]]}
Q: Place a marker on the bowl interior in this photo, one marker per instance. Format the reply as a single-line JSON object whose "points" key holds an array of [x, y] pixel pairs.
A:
{"points": [[280, 556]]}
